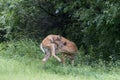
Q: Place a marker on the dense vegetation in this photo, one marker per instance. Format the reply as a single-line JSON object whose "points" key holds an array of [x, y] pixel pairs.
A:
{"points": [[21, 60], [94, 25]]}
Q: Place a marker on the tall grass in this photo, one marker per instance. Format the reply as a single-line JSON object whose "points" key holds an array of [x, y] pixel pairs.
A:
{"points": [[21, 60], [22, 48]]}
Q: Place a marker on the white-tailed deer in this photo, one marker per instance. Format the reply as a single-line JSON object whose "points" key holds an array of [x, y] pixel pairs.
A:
{"points": [[53, 44]]}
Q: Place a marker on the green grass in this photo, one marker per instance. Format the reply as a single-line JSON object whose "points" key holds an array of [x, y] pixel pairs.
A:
{"points": [[21, 60], [11, 69]]}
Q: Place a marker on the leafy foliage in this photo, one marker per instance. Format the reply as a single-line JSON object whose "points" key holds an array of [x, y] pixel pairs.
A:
{"points": [[91, 24]]}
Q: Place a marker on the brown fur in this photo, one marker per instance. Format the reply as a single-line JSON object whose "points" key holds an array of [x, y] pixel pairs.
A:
{"points": [[53, 44]]}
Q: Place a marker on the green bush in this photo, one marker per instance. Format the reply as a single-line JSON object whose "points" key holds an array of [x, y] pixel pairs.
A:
{"points": [[20, 49], [93, 25]]}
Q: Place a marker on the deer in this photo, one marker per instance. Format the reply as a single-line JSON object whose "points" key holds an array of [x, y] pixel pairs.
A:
{"points": [[53, 44]]}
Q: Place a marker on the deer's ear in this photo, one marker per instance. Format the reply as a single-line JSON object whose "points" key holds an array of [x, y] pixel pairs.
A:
{"points": [[59, 37]]}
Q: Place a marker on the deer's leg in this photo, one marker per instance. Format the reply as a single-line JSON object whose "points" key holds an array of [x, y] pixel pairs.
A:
{"points": [[71, 57], [72, 60], [46, 56], [63, 58], [53, 52]]}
